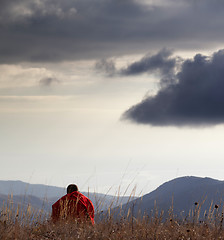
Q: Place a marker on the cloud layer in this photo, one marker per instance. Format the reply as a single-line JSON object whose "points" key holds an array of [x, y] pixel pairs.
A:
{"points": [[196, 97], [54, 30]]}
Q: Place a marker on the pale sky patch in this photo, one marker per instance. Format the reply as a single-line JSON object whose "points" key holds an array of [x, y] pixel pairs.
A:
{"points": [[60, 117]]}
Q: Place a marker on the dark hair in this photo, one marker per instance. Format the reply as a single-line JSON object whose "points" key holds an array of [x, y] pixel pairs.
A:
{"points": [[72, 188]]}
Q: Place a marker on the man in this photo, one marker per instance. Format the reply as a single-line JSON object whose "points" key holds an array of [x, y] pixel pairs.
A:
{"points": [[73, 206]]}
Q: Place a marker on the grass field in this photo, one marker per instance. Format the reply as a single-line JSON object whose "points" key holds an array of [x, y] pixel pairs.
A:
{"points": [[23, 222]]}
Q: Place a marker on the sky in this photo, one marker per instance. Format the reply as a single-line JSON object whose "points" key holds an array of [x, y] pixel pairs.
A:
{"points": [[113, 95]]}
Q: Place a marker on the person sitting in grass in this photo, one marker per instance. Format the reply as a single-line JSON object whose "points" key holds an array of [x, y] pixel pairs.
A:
{"points": [[73, 206]]}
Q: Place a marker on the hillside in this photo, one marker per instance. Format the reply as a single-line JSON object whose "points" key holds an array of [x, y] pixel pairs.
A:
{"points": [[182, 193]]}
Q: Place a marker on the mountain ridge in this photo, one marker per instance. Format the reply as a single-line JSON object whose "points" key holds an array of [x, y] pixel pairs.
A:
{"points": [[180, 194], [43, 196]]}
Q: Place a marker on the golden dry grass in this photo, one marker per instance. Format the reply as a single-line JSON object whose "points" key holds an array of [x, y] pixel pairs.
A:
{"points": [[111, 230], [17, 222]]}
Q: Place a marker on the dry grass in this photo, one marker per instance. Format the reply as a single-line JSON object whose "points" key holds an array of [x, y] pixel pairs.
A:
{"points": [[111, 230], [25, 223]]}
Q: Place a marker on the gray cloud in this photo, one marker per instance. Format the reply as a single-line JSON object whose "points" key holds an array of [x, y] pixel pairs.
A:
{"points": [[195, 99], [20, 12], [159, 62], [46, 82], [54, 30], [106, 66]]}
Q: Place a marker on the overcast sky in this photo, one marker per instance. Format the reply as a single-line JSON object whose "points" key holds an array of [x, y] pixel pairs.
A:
{"points": [[109, 93]]}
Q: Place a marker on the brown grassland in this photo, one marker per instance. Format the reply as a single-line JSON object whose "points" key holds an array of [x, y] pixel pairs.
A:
{"points": [[25, 223]]}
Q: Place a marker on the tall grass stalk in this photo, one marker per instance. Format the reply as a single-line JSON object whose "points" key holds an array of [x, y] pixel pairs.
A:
{"points": [[24, 222]]}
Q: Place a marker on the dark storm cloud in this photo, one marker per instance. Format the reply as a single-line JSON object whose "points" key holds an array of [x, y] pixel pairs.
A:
{"points": [[159, 62], [46, 82], [54, 30], [197, 97]]}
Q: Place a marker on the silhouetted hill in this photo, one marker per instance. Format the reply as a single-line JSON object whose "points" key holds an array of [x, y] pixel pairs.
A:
{"points": [[182, 193], [23, 188], [42, 196]]}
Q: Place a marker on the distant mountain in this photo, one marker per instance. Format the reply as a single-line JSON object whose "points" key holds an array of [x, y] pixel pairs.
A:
{"points": [[181, 193], [23, 188], [42, 196]]}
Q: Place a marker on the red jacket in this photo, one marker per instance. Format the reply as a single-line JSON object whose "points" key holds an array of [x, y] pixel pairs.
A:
{"points": [[73, 205]]}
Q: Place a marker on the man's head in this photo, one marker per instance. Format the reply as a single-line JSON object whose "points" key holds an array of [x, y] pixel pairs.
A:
{"points": [[71, 188]]}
